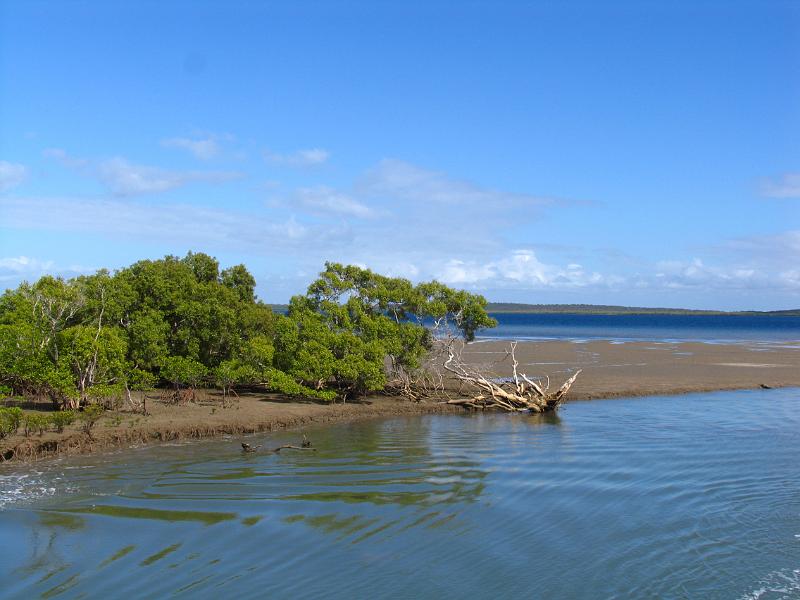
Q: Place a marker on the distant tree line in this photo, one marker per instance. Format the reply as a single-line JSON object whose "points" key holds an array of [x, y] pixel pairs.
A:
{"points": [[183, 322]]}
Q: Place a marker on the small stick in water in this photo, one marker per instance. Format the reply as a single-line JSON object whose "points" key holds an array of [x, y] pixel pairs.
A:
{"points": [[290, 447]]}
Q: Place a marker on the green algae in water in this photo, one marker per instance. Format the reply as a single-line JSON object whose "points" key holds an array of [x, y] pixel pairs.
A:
{"points": [[159, 555], [127, 512]]}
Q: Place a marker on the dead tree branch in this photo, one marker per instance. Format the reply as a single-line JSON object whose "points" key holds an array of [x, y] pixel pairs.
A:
{"points": [[519, 393]]}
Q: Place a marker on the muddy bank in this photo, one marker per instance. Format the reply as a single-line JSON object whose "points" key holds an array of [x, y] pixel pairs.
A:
{"points": [[253, 413]]}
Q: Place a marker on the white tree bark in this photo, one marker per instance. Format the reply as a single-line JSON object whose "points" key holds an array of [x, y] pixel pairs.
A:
{"points": [[520, 394]]}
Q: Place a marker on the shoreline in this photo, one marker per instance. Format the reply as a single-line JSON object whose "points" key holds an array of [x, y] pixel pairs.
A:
{"points": [[610, 370], [196, 421]]}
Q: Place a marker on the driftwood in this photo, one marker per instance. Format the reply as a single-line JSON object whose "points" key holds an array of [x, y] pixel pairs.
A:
{"points": [[517, 394], [306, 445], [290, 447]]}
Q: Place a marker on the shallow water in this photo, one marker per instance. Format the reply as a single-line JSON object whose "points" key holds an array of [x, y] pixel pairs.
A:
{"points": [[693, 496]]}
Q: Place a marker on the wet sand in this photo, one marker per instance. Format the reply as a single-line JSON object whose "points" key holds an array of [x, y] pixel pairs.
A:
{"points": [[612, 369], [609, 370]]}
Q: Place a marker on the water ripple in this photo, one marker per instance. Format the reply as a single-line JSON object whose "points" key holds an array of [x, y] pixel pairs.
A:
{"points": [[692, 496]]}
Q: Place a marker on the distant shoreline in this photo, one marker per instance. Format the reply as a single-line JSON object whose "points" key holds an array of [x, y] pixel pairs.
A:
{"points": [[599, 309], [603, 309]]}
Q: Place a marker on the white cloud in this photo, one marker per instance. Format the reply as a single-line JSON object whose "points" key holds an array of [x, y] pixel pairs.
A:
{"points": [[791, 278], [696, 273], [128, 179], [15, 269], [24, 264], [783, 246], [407, 183], [171, 222], [522, 269], [459, 272], [419, 216], [327, 200], [124, 178], [65, 159], [301, 158], [787, 186], [11, 175], [202, 148]]}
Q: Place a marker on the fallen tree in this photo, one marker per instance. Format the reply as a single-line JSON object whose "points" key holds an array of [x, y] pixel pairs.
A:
{"points": [[518, 393]]}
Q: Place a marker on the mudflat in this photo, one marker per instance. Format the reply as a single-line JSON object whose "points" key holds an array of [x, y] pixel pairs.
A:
{"points": [[613, 369]]}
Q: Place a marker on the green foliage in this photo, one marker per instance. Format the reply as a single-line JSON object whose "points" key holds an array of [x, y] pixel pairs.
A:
{"points": [[340, 334], [62, 419], [182, 320], [140, 380], [96, 357], [35, 422], [232, 372], [10, 420], [180, 370], [148, 339], [90, 416], [282, 382], [239, 279]]}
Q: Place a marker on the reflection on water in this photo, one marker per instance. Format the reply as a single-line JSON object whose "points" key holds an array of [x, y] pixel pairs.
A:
{"points": [[209, 518], [693, 496]]}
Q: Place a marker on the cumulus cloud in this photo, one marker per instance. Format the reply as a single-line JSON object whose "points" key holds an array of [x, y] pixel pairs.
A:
{"points": [[125, 178], [327, 200], [521, 268], [786, 186], [11, 175], [301, 158], [202, 148]]}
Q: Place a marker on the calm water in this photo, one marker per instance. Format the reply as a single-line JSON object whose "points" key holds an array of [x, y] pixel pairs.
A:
{"points": [[708, 328], [693, 496]]}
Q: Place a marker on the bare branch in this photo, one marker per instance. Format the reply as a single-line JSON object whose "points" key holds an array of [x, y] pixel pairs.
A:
{"points": [[518, 394]]}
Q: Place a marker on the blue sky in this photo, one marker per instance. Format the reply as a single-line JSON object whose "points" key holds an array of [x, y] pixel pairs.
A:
{"points": [[639, 153]]}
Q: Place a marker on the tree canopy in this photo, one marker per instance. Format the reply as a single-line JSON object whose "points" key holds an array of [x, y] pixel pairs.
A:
{"points": [[185, 322]]}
